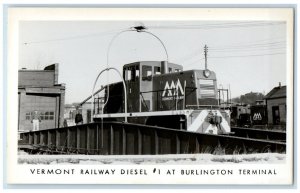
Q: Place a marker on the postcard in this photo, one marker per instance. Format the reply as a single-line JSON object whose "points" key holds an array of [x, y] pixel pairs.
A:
{"points": [[150, 96]]}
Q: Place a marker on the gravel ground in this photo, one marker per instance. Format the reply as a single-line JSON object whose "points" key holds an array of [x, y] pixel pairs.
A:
{"points": [[186, 159]]}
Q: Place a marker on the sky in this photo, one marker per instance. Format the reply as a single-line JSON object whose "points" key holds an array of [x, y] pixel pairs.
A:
{"points": [[248, 56]]}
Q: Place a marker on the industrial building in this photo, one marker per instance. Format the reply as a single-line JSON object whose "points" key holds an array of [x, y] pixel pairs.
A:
{"points": [[40, 96]]}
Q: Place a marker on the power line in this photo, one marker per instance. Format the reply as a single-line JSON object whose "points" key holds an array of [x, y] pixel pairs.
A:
{"points": [[244, 48], [236, 46], [238, 56], [249, 49], [222, 25], [73, 37]]}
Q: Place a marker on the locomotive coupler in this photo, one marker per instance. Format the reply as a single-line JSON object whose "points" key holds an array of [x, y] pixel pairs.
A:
{"points": [[214, 119]]}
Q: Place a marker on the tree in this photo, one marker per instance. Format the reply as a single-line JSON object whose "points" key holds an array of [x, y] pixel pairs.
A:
{"points": [[249, 98]]}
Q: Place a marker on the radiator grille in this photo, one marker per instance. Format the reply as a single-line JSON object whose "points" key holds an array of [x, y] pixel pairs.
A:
{"points": [[207, 88]]}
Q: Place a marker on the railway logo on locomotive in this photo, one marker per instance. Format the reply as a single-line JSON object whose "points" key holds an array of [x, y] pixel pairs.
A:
{"points": [[172, 90], [257, 116]]}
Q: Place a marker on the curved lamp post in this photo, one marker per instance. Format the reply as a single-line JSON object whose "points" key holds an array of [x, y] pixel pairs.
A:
{"points": [[124, 87], [134, 29]]}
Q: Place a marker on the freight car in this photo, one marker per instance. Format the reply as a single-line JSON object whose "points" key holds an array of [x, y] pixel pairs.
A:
{"points": [[162, 94], [258, 114]]}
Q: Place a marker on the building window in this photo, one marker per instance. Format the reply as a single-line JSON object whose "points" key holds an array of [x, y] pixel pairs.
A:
{"points": [[46, 115], [42, 116], [49, 115], [28, 116]]}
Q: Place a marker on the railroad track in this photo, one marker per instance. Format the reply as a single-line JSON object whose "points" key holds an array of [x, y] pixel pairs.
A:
{"points": [[115, 138], [259, 134]]}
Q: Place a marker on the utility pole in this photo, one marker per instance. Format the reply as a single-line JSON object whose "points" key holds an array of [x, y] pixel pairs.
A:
{"points": [[205, 55]]}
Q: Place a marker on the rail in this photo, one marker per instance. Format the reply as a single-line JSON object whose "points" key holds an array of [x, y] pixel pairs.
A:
{"points": [[204, 106]]}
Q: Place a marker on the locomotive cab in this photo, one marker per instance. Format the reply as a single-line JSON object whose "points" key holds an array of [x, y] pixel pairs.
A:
{"points": [[138, 78]]}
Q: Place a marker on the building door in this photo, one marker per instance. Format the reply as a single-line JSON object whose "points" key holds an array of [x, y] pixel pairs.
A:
{"points": [[276, 115]]}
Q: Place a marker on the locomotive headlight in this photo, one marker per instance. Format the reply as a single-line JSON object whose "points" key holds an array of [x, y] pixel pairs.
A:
{"points": [[206, 73]]}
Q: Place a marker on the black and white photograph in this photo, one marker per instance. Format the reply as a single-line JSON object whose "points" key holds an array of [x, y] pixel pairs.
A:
{"points": [[150, 96]]}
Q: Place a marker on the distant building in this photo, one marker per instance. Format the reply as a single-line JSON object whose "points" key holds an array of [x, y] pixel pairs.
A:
{"points": [[69, 114], [276, 105], [86, 106], [86, 110], [40, 96]]}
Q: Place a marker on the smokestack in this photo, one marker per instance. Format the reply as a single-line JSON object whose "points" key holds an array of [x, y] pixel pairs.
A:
{"points": [[164, 67], [279, 84]]}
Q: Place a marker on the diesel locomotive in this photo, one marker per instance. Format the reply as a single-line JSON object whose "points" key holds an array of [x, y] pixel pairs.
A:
{"points": [[162, 94], [249, 115]]}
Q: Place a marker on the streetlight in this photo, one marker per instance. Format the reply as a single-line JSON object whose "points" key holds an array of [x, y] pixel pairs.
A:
{"points": [[140, 28], [124, 87]]}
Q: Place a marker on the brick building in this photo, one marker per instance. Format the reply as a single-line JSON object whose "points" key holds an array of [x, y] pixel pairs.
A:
{"points": [[276, 105], [39, 92]]}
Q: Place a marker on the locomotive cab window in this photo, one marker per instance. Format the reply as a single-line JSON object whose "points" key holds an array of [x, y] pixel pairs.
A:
{"points": [[130, 73], [157, 70], [127, 74], [146, 73], [137, 72]]}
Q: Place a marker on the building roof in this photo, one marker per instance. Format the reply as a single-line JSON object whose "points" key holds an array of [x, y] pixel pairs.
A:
{"points": [[277, 92]]}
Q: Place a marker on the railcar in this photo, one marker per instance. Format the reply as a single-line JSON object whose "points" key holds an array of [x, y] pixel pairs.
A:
{"points": [[249, 115], [259, 114], [240, 115], [162, 94]]}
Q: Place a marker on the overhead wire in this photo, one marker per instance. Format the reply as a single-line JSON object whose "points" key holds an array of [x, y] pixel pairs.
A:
{"points": [[250, 49], [220, 25], [238, 56], [259, 45], [111, 32], [281, 43], [267, 44], [233, 50]]}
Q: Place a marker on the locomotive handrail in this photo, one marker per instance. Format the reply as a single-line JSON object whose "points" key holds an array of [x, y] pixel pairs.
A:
{"points": [[143, 100], [211, 106]]}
